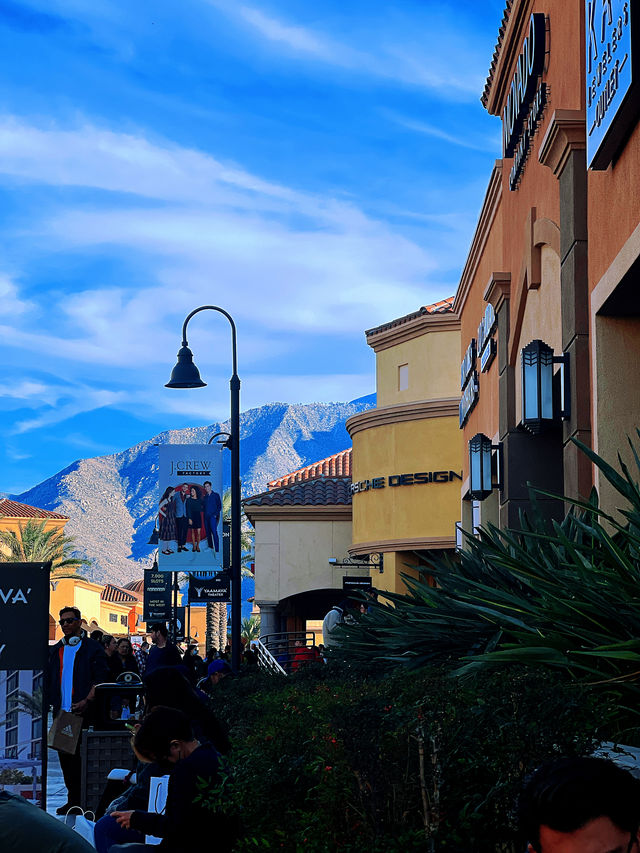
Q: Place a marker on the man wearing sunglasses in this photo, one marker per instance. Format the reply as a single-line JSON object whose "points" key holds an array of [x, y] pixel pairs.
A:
{"points": [[581, 805], [76, 664]]}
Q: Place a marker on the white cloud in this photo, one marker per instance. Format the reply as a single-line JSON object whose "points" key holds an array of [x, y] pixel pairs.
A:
{"points": [[10, 302], [83, 400], [390, 52], [464, 141]]}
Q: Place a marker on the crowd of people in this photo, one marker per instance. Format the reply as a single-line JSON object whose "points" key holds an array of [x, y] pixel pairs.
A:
{"points": [[176, 732], [571, 805]]}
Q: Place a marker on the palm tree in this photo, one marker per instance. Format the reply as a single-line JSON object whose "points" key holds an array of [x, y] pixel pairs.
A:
{"points": [[217, 620], [251, 628], [34, 544]]}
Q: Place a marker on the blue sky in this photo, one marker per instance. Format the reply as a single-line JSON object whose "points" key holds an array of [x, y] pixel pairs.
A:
{"points": [[314, 168]]}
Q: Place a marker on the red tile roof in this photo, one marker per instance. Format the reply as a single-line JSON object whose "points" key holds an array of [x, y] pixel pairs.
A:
{"points": [[324, 491], [135, 587], [118, 595], [444, 306], [338, 465], [12, 509], [496, 53]]}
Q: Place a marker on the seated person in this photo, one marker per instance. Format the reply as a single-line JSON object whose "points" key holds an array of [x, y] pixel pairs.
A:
{"points": [[580, 805], [166, 735], [25, 827]]}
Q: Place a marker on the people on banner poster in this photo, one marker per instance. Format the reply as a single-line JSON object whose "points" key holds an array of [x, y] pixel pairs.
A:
{"points": [[167, 528], [189, 514]]}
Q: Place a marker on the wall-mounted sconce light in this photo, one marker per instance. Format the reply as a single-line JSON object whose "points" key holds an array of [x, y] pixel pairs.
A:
{"points": [[537, 385], [485, 466]]}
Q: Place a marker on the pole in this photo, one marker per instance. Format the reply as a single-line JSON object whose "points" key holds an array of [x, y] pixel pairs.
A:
{"points": [[234, 444], [236, 603]]}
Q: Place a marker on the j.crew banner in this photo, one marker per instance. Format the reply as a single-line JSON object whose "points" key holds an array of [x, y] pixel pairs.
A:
{"points": [[190, 507]]}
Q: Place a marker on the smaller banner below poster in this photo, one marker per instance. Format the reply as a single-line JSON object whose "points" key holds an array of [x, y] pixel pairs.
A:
{"points": [[216, 588], [190, 507], [157, 596]]}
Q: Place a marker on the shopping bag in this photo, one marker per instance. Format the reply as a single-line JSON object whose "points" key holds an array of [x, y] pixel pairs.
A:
{"points": [[157, 801], [64, 733], [82, 823]]}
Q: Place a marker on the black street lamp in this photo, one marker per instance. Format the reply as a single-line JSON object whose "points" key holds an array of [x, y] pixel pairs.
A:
{"points": [[186, 375]]}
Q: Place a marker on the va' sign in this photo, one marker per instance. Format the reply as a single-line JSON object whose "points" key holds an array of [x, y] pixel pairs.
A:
{"points": [[190, 507], [24, 601]]}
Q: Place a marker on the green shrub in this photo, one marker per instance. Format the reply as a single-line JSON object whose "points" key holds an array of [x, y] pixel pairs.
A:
{"points": [[337, 758]]}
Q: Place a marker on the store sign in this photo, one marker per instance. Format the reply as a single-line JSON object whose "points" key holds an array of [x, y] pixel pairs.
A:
{"points": [[468, 363], [526, 100], [216, 588], [393, 480], [353, 584], [158, 588], [469, 398], [24, 647], [612, 96], [524, 84], [486, 344]]}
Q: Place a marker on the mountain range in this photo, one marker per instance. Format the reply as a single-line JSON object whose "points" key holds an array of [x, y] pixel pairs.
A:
{"points": [[112, 500]]}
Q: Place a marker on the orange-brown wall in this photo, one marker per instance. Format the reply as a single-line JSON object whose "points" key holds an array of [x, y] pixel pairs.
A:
{"points": [[614, 208]]}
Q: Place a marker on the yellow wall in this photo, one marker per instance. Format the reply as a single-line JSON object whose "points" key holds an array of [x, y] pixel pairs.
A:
{"points": [[419, 511], [293, 556], [70, 592], [14, 525], [434, 368]]}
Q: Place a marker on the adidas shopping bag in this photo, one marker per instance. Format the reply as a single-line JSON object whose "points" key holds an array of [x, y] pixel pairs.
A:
{"points": [[64, 733]]}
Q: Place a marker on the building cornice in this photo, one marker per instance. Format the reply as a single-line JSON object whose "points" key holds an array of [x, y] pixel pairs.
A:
{"points": [[298, 513], [385, 546], [488, 213], [505, 57], [421, 410], [498, 289], [567, 132], [414, 328]]}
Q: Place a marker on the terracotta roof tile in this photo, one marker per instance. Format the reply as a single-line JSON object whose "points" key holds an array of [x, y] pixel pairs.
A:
{"points": [[135, 587], [496, 53], [118, 595], [338, 465], [13, 509], [444, 306], [325, 491]]}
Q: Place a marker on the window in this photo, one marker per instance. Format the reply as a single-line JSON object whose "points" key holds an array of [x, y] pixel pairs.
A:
{"points": [[123, 620], [476, 520], [113, 617], [403, 377]]}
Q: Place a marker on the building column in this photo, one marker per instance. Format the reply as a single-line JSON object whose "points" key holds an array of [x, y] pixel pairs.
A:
{"points": [[563, 150], [269, 618]]}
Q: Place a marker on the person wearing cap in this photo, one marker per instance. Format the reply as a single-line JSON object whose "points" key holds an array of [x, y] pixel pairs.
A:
{"points": [[216, 671]]}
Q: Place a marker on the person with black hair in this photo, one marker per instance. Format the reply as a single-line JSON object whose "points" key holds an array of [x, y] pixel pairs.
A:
{"points": [[162, 652], [166, 735], [580, 805], [76, 665], [169, 687]]}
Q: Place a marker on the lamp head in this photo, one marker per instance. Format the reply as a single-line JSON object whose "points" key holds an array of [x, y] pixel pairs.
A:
{"points": [[185, 374]]}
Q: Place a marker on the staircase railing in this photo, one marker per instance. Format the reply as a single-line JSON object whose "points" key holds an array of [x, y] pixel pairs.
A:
{"points": [[266, 660]]}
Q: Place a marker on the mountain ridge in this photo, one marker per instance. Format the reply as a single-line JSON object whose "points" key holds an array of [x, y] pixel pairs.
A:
{"points": [[111, 500]]}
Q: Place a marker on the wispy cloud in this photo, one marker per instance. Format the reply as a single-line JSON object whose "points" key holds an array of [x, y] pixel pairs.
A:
{"points": [[386, 52], [462, 139]]}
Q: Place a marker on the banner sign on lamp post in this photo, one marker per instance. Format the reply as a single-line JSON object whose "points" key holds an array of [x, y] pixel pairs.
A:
{"points": [[190, 507]]}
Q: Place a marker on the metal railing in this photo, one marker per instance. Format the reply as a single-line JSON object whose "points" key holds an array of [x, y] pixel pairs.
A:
{"points": [[283, 648]]}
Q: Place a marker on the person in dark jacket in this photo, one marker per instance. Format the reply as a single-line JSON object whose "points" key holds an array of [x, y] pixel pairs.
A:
{"points": [[194, 514], [25, 828], [76, 664], [166, 734], [162, 652]]}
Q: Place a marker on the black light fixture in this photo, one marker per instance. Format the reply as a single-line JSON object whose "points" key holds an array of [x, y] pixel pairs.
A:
{"points": [[482, 468], [185, 374], [537, 386]]}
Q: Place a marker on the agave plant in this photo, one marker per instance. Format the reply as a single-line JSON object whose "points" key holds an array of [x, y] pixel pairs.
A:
{"points": [[557, 594]]}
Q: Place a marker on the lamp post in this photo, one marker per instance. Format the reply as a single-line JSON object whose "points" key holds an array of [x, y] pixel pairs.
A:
{"points": [[186, 375]]}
